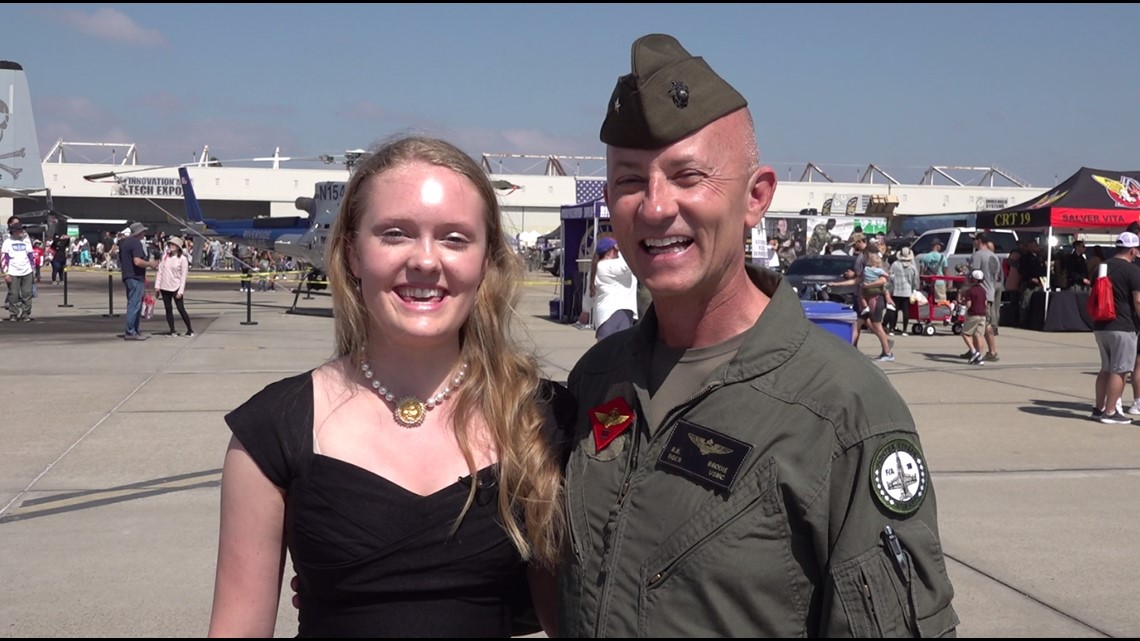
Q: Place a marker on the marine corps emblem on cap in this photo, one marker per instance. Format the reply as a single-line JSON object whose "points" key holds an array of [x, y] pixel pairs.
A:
{"points": [[898, 476], [668, 95]]}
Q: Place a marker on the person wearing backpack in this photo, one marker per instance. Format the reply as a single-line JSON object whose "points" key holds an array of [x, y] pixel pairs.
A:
{"points": [[1116, 338]]}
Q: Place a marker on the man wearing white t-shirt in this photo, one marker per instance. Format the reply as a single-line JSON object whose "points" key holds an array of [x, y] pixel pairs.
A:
{"points": [[17, 261], [614, 290]]}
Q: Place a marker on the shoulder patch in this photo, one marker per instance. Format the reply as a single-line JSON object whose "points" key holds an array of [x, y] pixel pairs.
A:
{"points": [[898, 476]]}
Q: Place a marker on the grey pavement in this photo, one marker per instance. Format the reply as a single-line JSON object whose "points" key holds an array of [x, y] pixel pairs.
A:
{"points": [[110, 457]]}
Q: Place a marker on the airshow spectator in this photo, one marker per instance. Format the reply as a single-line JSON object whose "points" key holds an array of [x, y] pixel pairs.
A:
{"points": [[977, 316], [134, 262], [1116, 339], [904, 283], [1032, 271], [989, 264], [38, 252], [59, 251], [170, 283], [1076, 268], [17, 261], [614, 290]]}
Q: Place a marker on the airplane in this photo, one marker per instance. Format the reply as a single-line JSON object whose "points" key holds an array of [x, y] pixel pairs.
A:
{"points": [[21, 173]]}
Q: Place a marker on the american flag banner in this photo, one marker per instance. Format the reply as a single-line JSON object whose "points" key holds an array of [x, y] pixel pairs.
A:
{"points": [[588, 190]]}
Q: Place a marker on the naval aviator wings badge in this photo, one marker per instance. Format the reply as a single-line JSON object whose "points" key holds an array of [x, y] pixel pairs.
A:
{"points": [[609, 420], [899, 476]]}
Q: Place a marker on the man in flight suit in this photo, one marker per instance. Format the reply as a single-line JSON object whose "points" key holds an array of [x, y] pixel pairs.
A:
{"points": [[737, 470]]}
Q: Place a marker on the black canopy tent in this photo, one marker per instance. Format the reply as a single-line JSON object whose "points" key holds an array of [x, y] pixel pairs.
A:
{"points": [[1098, 199]]}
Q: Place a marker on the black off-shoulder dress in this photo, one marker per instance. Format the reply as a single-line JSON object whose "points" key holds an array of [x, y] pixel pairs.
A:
{"points": [[375, 559]]}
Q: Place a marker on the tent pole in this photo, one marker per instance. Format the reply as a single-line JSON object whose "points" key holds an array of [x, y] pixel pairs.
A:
{"points": [[1048, 271]]}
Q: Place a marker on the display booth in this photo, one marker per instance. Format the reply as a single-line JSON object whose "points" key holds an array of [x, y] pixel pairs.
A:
{"points": [[1090, 200], [581, 225]]}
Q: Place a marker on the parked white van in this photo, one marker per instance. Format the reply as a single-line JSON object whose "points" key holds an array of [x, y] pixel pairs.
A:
{"points": [[958, 244]]}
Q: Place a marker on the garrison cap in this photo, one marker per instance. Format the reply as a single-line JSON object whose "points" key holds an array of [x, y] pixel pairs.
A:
{"points": [[668, 95]]}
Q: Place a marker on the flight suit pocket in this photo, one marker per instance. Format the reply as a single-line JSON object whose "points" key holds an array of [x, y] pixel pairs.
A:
{"points": [[874, 598], [734, 557]]}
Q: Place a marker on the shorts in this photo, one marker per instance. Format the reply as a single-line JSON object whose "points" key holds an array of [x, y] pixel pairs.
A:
{"points": [[878, 307], [975, 326], [939, 290], [1117, 351]]}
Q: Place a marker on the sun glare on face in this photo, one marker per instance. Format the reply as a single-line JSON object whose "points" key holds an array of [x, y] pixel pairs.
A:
{"points": [[431, 192]]}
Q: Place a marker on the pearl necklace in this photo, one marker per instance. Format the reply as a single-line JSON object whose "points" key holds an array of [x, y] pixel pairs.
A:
{"points": [[410, 411]]}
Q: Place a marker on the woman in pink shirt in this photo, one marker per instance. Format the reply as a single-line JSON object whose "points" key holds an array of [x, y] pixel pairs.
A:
{"points": [[170, 282]]}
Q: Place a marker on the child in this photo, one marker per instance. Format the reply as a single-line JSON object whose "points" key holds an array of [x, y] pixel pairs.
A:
{"points": [[974, 330]]}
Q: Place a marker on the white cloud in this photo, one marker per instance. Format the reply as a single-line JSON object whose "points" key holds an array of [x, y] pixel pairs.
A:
{"points": [[109, 24]]}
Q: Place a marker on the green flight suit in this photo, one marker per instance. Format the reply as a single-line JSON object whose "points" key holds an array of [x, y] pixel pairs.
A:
{"points": [[758, 507]]}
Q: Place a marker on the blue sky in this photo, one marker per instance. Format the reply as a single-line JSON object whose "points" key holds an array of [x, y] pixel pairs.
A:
{"points": [[1036, 90]]}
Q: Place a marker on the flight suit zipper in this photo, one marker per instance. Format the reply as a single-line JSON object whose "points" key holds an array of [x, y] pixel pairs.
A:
{"points": [[623, 492]]}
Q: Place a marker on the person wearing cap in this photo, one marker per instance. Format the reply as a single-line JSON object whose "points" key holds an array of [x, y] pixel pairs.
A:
{"points": [[1116, 338], [974, 333], [133, 263], [904, 283], [17, 261], [613, 289], [737, 470], [934, 263], [986, 261], [170, 283]]}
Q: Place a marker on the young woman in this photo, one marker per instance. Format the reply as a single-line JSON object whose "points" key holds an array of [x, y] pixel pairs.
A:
{"points": [[170, 283], [875, 299], [414, 479]]}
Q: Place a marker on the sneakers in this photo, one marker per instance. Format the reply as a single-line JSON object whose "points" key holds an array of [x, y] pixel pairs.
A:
{"points": [[1135, 409], [167, 334], [977, 359], [189, 335], [1115, 418], [1119, 406], [903, 334], [991, 357], [1096, 414], [135, 337], [969, 354], [889, 358], [865, 312]]}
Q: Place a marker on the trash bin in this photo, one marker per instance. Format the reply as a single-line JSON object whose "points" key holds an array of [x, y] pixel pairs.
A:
{"points": [[837, 318]]}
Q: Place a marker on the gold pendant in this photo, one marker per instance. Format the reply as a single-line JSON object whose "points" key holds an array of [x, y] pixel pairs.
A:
{"points": [[410, 412]]}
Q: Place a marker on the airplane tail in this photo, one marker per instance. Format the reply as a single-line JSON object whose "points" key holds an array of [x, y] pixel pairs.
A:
{"points": [[20, 161], [193, 209]]}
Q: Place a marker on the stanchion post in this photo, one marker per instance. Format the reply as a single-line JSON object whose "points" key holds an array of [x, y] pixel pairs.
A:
{"points": [[110, 297], [247, 280], [64, 274]]}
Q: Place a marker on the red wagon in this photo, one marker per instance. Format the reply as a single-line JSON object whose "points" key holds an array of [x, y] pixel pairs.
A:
{"points": [[925, 318]]}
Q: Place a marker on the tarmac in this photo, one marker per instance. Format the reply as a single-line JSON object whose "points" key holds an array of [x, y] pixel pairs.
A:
{"points": [[111, 453]]}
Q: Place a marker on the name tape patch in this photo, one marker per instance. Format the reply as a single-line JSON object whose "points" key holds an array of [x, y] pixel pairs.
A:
{"points": [[703, 455]]}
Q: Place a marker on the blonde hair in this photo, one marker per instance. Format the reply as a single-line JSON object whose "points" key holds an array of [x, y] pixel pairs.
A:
{"points": [[502, 383]]}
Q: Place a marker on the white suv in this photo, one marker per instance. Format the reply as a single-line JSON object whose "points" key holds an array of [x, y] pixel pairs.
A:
{"points": [[958, 244]]}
